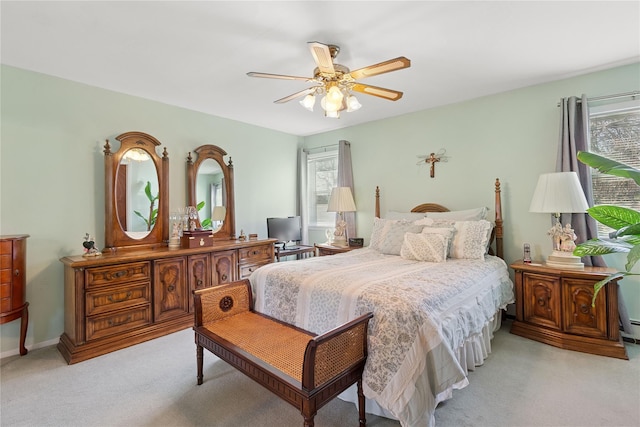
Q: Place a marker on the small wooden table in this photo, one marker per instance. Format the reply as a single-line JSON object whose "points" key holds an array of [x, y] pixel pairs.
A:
{"points": [[300, 251], [553, 306], [324, 249]]}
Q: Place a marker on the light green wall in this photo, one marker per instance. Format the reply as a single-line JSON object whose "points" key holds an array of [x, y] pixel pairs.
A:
{"points": [[512, 136], [52, 174], [51, 178]]}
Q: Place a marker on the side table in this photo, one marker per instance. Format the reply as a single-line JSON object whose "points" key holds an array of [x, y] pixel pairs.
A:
{"points": [[324, 249], [13, 304], [554, 306]]}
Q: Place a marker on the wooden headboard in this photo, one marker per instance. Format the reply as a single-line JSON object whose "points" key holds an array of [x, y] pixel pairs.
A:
{"points": [[498, 228]]}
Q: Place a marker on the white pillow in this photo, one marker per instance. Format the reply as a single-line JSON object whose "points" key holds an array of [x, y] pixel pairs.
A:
{"points": [[431, 247], [387, 235], [465, 215], [471, 239], [408, 216]]}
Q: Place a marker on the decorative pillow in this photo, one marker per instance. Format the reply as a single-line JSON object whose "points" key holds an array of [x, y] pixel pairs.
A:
{"points": [[387, 235], [430, 247], [447, 231], [465, 215], [470, 240], [408, 216]]}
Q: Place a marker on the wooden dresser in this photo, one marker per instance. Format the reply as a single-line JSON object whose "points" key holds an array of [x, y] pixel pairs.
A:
{"points": [[553, 306], [13, 292], [119, 299]]}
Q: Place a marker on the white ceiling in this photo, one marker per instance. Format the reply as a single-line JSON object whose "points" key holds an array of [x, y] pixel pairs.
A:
{"points": [[195, 54]]}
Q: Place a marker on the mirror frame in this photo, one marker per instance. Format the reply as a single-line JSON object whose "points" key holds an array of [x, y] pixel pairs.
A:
{"points": [[115, 237], [204, 152]]}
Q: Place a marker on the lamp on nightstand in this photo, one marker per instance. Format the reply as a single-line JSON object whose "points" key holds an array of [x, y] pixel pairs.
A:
{"points": [[341, 201], [558, 193]]}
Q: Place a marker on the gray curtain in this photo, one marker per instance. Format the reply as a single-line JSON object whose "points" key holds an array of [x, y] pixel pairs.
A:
{"points": [[574, 137], [345, 179], [303, 205]]}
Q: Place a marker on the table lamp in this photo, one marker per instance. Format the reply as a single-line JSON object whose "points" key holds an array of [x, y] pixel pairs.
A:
{"points": [[341, 201], [557, 193]]}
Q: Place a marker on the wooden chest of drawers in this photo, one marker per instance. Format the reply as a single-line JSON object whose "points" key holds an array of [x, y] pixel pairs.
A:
{"points": [[13, 292], [554, 306], [117, 300]]}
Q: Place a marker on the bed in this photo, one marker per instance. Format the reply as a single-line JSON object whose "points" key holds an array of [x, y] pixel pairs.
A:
{"points": [[436, 283]]}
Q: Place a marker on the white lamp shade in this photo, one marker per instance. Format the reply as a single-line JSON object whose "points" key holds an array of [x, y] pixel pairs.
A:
{"points": [[557, 193], [341, 200]]}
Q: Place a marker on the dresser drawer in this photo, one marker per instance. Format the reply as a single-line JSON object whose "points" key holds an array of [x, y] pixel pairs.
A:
{"points": [[5, 247], [5, 276], [114, 274], [255, 254], [246, 270], [5, 261], [5, 304], [118, 322], [102, 301], [5, 289]]}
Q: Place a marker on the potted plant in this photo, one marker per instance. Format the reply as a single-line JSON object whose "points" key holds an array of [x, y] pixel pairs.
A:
{"points": [[625, 222], [153, 211]]}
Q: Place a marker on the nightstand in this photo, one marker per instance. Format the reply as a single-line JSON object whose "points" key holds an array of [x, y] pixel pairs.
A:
{"points": [[324, 249], [553, 306]]}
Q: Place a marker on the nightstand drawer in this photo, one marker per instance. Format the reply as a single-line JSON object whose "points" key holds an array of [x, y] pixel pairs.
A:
{"points": [[580, 316]]}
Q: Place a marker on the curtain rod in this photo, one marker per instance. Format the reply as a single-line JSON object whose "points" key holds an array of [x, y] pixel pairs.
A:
{"points": [[607, 97], [323, 147]]}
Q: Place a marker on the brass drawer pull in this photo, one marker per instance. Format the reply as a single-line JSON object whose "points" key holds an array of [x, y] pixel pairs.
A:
{"points": [[112, 299], [224, 277]]}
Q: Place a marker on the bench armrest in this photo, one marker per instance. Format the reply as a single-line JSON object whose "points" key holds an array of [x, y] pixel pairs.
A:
{"points": [[218, 302], [329, 355]]}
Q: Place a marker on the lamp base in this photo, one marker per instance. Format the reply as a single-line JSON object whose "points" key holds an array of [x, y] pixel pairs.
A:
{"points": [[564, 260], [339, 241]]}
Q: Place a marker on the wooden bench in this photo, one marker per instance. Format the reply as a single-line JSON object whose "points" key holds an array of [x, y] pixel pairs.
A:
{"points": [[303, 369]]}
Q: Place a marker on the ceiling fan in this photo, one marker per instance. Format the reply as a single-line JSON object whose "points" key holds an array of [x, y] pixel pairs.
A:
{"points": [[336, 81]]}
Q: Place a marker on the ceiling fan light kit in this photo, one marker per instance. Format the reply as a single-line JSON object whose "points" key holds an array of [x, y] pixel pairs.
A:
{"points": [[336, 82]]}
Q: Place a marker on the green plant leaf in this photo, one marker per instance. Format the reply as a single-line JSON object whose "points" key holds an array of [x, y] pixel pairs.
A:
{"points": [[632, 258], [630, 230], [143, 218], [601, 247], [608, 166], [614, 216], [200, 205], [602, 283]]}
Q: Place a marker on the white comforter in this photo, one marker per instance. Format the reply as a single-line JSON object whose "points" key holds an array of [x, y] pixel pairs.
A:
{"points": [[423, 313]]}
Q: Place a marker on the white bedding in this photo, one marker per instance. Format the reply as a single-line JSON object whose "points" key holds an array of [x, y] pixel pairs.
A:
{"points": [[424, 313]]}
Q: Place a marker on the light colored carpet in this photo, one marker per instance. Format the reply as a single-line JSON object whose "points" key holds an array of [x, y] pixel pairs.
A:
{"points": [[522, 383]]}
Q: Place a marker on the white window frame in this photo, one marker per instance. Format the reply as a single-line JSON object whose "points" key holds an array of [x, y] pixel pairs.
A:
{"points": [[329, 218], [596, 176]]}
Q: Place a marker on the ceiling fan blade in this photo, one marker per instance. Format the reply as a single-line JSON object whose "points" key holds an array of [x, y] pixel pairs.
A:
{"points": [[278, 76], [322, 55], [391, 95], [296, 95], [383, 67]]}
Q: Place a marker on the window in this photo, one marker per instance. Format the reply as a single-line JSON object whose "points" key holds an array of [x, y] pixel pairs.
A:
{"points": [[322, 176], [615, 134]]}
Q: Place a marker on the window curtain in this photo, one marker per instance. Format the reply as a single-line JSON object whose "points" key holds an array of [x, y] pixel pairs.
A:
{"points": [[303, 205], [574, 137], [345, 179]]}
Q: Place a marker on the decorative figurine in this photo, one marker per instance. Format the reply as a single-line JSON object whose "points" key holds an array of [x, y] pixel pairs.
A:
{"points": [[90, 246], [563, 237], [242, 236]]}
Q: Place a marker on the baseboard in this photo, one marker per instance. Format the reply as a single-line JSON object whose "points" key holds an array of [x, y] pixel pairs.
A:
{"points": [[30, 347]]}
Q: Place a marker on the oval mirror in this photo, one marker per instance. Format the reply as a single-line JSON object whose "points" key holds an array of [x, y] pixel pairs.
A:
{"points": [[210, 190], [210, 195], [136, 195]]}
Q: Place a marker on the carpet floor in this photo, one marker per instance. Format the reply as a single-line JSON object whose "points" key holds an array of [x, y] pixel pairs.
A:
{"points": [[522, 383]]}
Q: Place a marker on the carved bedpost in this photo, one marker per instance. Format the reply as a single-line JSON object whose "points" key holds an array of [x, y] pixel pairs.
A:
{"points": [[377, 212], [498, 225]]}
